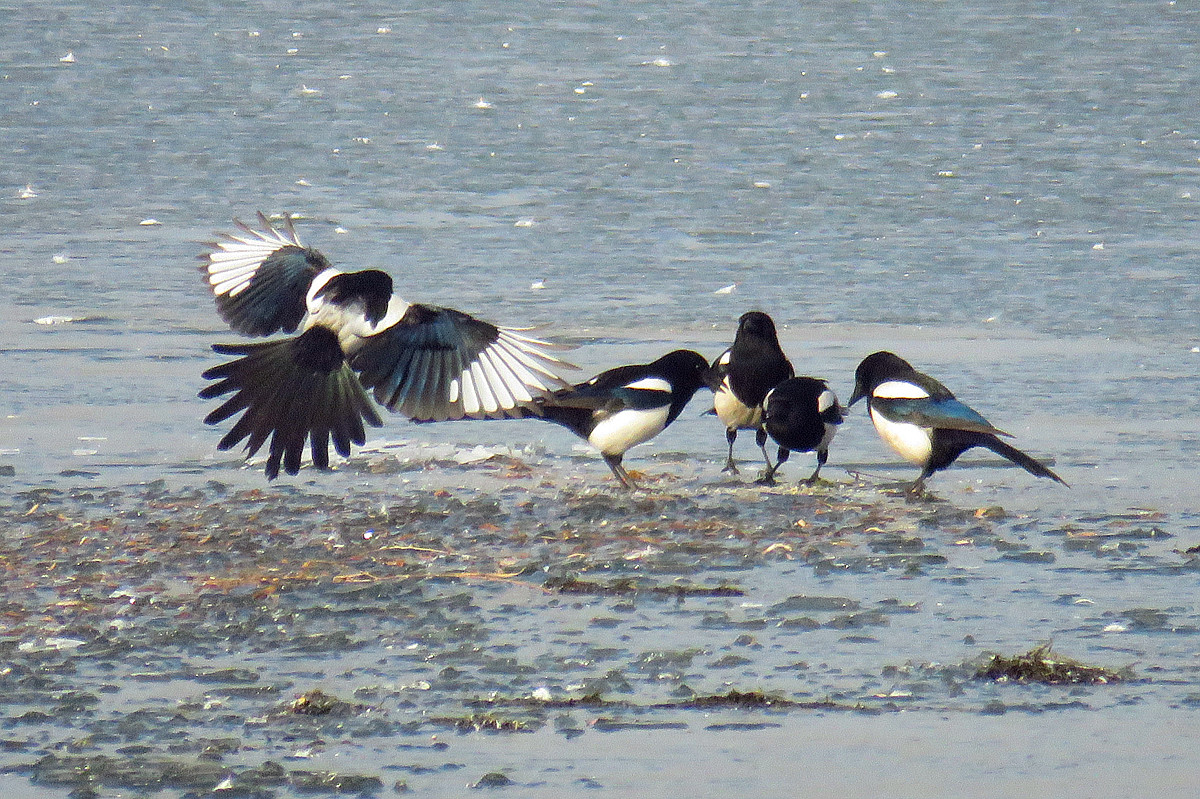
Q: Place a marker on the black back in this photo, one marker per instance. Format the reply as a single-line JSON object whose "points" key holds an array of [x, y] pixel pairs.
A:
{"points": [[792, 415], [371, 287], [756, 361]]}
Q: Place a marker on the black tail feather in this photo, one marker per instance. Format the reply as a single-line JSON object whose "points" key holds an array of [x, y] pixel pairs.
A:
{"points": [[1018, 457], [290, 392]]}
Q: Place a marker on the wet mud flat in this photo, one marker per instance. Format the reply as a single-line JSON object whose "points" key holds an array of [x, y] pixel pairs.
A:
{"points": [[506, 626]]}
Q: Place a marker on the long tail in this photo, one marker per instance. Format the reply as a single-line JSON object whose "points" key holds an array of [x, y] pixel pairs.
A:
{"points": [[1018, 457], [291, 390]]}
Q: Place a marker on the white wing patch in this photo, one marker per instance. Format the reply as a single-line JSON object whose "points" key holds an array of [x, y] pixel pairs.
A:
{"points": [[651, 384], [899, 389], [237, 257]]}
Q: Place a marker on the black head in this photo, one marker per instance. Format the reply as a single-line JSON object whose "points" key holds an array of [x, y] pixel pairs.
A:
{"points": [[684, 369], [878, 368], [758, 325]]}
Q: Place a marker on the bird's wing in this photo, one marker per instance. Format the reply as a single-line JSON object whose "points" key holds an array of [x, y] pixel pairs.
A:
{"points": [[828, 407], [626, 387], [946, 413], [435, 364], [261, 278]]}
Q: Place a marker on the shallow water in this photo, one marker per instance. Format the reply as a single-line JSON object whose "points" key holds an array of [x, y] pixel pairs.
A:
{"points": [[1006, 198]]}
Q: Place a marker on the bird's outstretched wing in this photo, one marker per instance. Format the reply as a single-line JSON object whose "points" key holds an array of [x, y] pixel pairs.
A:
{"points": [[436, 364], [261, 278], [946, 413]]}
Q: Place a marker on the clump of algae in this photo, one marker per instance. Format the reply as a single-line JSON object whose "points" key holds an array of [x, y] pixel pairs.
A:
{"points": [[1042, 665]]}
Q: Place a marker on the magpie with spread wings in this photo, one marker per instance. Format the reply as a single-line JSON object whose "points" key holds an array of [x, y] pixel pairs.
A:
{"points": [[351, 336]]}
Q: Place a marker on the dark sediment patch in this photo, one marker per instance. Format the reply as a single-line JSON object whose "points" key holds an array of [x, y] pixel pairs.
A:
{"points": [[1041, 665]]}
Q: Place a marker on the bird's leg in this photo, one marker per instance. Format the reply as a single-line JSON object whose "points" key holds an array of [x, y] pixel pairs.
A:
{"points": [[768, 477], [916, 491], [760, 438], [614, 463], [730, 436], [822, 456]]}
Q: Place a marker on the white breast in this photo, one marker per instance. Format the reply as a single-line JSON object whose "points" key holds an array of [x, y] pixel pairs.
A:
{"points": [[732, 412], [628, 428], [910, 442]]}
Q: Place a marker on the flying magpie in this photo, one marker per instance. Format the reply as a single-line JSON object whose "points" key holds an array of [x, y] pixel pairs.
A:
{"points": [[425, 362], [921, 420], [741, 377], [800, 414], [625, 406]]}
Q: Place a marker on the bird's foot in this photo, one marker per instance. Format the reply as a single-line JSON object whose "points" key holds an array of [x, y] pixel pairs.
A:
{"points": [[730, 467], [767, 478], [632, 480], [918, 493]]}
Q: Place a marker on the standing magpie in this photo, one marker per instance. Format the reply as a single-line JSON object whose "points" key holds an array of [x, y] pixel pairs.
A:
{"points": [[741, 377], [625, 406], [921, 420], [801, 414], [425, 362]]}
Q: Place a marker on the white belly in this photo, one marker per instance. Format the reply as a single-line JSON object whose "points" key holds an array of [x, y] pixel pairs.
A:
{"points": [[732, 412], [911, 442], [628, 428]]}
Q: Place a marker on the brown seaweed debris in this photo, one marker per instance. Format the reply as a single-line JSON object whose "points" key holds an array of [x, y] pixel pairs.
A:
{"points": [[735, 698], [318, 703], [484, 722], [1041, 665], [572, 585]]}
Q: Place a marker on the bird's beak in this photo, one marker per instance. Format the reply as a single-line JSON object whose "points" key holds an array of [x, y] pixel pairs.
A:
{"points": [[859, 393]]}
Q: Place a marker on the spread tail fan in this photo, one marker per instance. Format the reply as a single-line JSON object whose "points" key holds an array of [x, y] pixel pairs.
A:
{"points": [[290, 391]]}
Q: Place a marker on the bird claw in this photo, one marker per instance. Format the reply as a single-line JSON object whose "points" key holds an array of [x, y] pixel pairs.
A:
{"points": [[919, 494]]}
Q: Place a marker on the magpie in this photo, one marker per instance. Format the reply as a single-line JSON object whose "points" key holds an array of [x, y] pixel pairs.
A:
{"points": [[355, 335], [921, 420], [741, 377], [625, 406], [800, 414]]}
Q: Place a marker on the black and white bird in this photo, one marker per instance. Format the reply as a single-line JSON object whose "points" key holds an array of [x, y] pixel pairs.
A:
{"points": [[922, 421], [625, 406], [741, 377], [801, 414], [355, 336]]}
